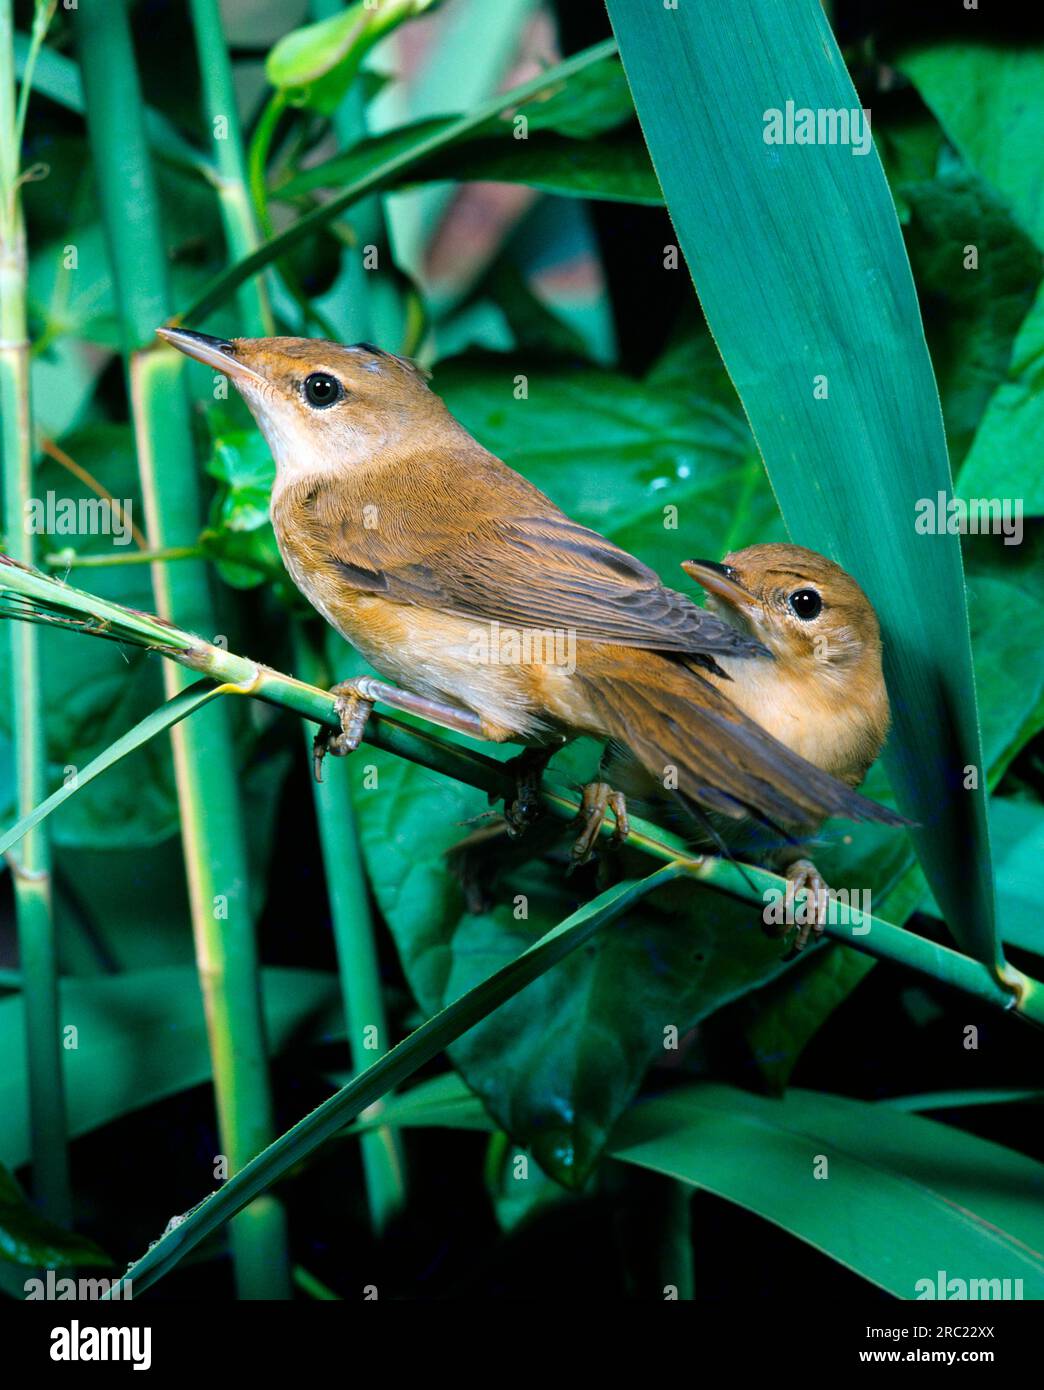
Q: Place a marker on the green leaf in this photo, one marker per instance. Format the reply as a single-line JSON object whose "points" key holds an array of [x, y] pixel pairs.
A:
{"points": [[142, 1037], [239, 537], [388, 1072], [518, 1190], [960, 1100], [959, 1203], [614, 169], [601, 170], [818, 225], [1018, 831], [557, 1066], [972, 315], [593, 101], [316, 64], [1007, 580], [987, 99], [27, 1238], [1004, 458], [75, 298], [179, 707]]}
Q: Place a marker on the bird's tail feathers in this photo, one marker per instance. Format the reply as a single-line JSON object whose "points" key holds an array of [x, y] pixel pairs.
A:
{"points": [[693, 740]]}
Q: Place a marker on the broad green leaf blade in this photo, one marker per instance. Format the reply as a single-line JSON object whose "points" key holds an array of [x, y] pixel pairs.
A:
{"points": [[142, 1037], [900, 1197], [1007, 443], [557, 1066], [972, 316], [987, 99], [169, 714], [394, 1067], [800, 267], [1017, 829], [904, 1197], [27, 1238]]}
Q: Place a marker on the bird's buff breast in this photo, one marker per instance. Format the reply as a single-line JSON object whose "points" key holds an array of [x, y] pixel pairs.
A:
{"points": [[439, 655]]}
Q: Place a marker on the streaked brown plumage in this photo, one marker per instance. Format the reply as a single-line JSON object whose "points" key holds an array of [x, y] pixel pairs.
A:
{"points": [[413, 541]]}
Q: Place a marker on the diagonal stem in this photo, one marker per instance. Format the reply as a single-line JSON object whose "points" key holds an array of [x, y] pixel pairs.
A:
{"points": [[28, 595]]}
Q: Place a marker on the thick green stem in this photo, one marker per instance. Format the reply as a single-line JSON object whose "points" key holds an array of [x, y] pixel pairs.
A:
{"points": [[31, 865], [358, 314], [354, 935], [237, 214], [204, 757]]}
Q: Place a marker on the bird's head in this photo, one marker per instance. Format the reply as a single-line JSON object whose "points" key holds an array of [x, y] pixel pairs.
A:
{"points": [[810, 613], [321, 406]]}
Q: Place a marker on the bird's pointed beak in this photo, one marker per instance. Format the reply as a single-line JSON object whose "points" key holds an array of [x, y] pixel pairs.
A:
{"points": [[720, 580], [218, 353]]}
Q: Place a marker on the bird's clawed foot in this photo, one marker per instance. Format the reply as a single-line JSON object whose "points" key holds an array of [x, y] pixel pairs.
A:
{"points": [[354, 709], [599, 797], [808, 912]]}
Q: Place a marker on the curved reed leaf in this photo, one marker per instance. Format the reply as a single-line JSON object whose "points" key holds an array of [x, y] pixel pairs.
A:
{"points": [[168, 714], [381, 174]]}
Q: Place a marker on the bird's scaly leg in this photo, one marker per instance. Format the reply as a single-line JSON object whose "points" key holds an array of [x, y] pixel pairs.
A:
{"points": [[598, 797], [355, 700]]}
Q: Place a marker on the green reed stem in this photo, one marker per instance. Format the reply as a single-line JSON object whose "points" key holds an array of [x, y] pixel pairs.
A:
{"points": [[31, 865], [204, 759], [237, 213], [355, 938]]}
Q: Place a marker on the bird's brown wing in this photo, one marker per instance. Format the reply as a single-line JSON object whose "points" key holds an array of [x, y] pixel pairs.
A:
{"points": [[536, 572]]}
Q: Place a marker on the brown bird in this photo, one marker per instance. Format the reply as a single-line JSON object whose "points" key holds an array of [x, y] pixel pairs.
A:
{"points": [[495, 613], [822, 693]]}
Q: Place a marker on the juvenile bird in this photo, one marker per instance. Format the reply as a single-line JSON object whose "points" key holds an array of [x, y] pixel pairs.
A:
{"points": [[821, 692], [495, 613]]}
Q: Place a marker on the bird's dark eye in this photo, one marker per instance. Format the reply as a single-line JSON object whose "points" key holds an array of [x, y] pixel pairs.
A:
{"points": [[805, 604], [322, 389]]}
